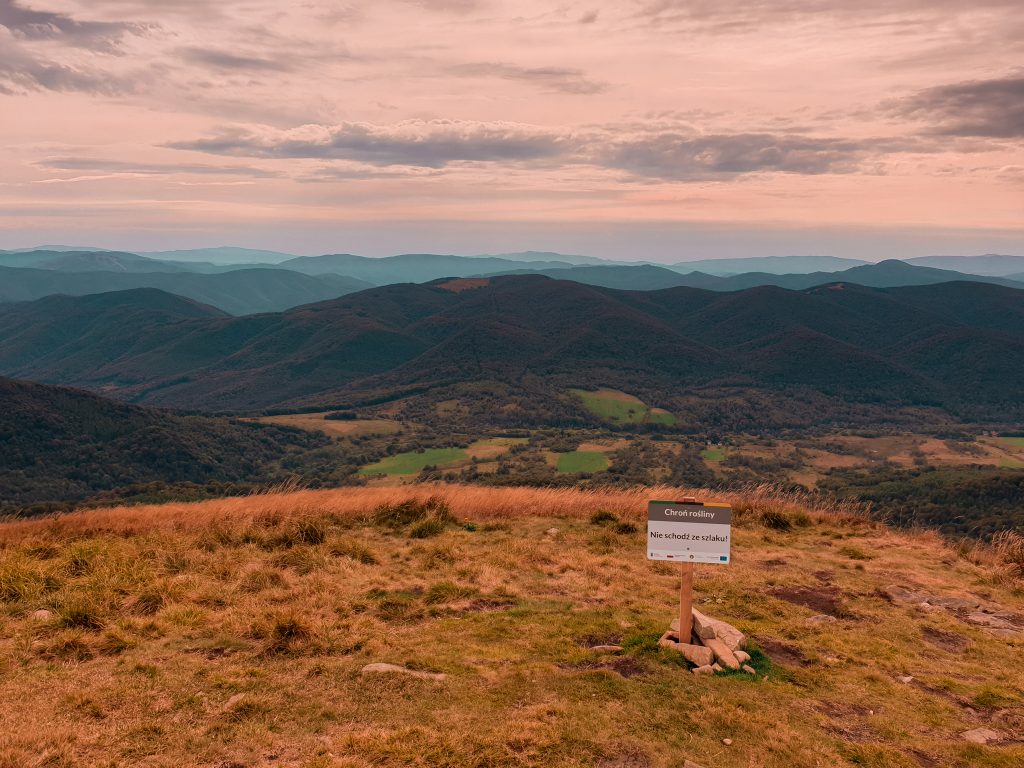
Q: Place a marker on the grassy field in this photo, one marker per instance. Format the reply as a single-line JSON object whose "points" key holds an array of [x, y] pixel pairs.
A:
{"points": [[575, 462], [335, 428], [713, 454], [234, 632], [621, 408], [412, 462], [1012, 442]]}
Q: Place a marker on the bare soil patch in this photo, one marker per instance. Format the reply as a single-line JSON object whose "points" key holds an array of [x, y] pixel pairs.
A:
{"points": [[947, 641], [820, 599]]}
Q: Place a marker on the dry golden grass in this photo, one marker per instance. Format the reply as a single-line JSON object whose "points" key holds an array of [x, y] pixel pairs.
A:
{"points": [[315, 422], [231, 633]]}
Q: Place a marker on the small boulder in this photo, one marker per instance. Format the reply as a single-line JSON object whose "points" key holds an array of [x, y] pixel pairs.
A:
{"points": [[723, 653], [716, 667], [551, 532], [821, 618], [41, 615], [989, 621], [607, 649], [906, 679], [742, 656], [749, 669], [727, 742], [982, 736], [705, 670], [379, 668]]}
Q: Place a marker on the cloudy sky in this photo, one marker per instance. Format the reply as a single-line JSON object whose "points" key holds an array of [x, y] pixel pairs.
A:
{"points": [[634, 129]]}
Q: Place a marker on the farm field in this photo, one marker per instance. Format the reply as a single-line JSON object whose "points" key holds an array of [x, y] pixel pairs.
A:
{"points": [[412, 462], [334, 428], [246, 641], [621, 408], [575, 462]]}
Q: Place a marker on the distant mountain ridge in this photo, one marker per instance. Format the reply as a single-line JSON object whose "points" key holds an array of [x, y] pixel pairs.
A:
{"points": [[958, 346], [239, 292]]}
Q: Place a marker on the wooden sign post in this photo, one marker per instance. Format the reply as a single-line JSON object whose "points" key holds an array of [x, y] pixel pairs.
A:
{"points": [[688, 532], [685, 602]]}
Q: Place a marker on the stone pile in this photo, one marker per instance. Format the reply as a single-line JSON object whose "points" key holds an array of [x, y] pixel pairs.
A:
{"points": [[714, 646]]}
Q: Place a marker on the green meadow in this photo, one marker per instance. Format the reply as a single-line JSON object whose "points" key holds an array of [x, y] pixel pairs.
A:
{"points": [[622, 408], [576, 462], [413, 462]]}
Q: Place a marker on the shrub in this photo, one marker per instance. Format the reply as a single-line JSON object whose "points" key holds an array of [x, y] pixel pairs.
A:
{"points": [[353, 550], [603, 517], [261, 579], [286, 631], [447, 592]]}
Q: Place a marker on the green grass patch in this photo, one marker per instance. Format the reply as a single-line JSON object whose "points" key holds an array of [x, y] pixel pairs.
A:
{"points": [[1012, 442], [575, 462], [620, 408], [713, 454], [413, 462]]}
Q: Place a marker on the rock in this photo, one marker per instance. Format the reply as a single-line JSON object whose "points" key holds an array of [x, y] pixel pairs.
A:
{"points": [[703, 626], [742, 656], [723, 653], [394, 668], [727, 742], [749, 669], [906, 679], [821, 618], [953, 603], [1007, 634], [716, 667], [41, 615], [551, 532], [607, 649], [705, 670], [691, 764], [982, 736], [238, 698], [897, 594], [698, 655], [989, 621]]}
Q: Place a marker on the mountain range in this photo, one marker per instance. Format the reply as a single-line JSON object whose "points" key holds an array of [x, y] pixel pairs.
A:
{"points": [[242, 288], [957, 346]]}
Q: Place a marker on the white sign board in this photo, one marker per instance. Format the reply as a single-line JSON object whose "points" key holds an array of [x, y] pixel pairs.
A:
{"points": [[689, 532]]}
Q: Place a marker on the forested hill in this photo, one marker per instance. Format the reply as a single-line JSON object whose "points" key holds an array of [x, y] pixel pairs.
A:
{"points": [[957, 346], [62, 445]]}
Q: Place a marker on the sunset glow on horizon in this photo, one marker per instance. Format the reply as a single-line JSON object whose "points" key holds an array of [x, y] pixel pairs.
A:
{"points": [[643, 129]]}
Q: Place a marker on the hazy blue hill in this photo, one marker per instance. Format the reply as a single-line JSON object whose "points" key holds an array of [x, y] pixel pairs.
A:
{"points": [[772, 265], [410, 267], [995, 264], [840, 339], [238, 292], [222, 255], [85, 261]]}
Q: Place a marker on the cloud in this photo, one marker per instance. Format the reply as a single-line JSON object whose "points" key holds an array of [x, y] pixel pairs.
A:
{"points": [[22, 71], [224, 60], [559, 79], [98, 36], [681, 157], [990, 108], [114, 167], [418, 143]]}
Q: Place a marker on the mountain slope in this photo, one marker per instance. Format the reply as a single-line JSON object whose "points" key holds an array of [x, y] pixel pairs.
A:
{"points": [[239, 292], [532, 334], [250, 624], [64, 445]]}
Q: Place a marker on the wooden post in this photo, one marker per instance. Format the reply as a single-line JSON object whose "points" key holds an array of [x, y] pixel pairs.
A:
{"points": [[686, 602]]}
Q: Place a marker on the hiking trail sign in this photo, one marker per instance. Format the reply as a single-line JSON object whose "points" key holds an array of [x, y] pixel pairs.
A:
{"points": [[689, 531]]}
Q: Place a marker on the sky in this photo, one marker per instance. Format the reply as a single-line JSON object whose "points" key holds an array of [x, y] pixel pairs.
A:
{"points": [[636, 129]]}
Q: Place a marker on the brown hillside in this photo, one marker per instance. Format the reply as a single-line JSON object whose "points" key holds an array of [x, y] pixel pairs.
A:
{"points": [[233, 633]]}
